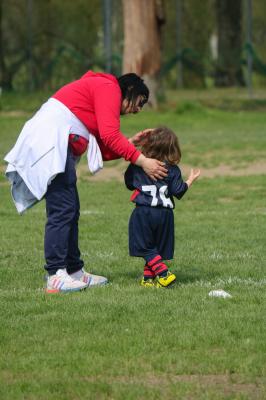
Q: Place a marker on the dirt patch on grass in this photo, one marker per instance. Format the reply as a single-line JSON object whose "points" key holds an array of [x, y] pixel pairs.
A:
{"points": [[116, 172], [109, 173], [226, 384], [258, 168], [105, 175], [14, 113]]}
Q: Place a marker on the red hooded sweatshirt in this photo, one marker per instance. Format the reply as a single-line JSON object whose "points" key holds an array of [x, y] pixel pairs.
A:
{"points": [[95, 99]]}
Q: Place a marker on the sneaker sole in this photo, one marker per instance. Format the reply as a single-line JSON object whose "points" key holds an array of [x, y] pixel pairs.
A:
{"points": [[53, 291], [45, 278], [98, 284], [166, 287], [148, 286]]}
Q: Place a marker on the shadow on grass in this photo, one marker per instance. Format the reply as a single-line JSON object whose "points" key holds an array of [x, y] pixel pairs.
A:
{"points": [[192, 274], [186, 275]]}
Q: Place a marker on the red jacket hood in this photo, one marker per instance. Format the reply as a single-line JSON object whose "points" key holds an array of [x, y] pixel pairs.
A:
{"points": [[91, 74]]}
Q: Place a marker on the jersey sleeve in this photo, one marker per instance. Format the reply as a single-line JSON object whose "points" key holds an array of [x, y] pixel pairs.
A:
{"points": [[129, 178], [107, 105], [177, 186]]}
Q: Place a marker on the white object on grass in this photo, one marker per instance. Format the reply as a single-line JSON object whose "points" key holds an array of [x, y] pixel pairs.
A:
{"points": [[219, 293]]}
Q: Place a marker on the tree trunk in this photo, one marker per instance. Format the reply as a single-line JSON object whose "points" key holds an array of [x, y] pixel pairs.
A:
{"points": [[142, 41], [229, 21], [5, 78]]}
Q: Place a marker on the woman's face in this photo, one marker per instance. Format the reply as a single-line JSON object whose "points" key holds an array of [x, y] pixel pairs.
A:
{"points": [[127, 107]]}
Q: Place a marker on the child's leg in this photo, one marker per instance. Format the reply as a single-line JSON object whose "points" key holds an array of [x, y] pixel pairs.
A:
{"points": [[142, 243], [156, 266], [148, 273]]}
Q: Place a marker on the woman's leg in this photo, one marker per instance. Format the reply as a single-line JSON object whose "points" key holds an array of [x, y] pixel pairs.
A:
{"points": [[74, 262], [62, 211], [61, 235]]}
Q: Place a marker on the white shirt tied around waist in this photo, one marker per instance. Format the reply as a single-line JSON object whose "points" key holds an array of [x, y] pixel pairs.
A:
{"points": [[41, 150]]}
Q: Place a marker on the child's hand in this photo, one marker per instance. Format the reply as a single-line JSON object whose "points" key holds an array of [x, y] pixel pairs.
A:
{"points": [[194, 174]]}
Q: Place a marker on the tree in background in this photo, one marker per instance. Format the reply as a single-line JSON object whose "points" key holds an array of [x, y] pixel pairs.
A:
{"points": [[3, 72], [77, 39], [194, 32], [259, 39], [142, 41], [197, 25], [12, 42], [229, 28], [44, 44], [56, 39], [117, 37]]}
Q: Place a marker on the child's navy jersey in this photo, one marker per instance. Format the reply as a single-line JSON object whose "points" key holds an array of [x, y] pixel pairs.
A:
{"points": [[158, 193]]}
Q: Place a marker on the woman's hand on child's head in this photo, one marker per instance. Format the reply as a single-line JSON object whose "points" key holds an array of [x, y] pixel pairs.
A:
{"points": [[138, 137]]}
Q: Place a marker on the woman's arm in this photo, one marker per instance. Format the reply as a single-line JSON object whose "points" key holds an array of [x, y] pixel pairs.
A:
{"points": [[107, 105], [107, 113]]}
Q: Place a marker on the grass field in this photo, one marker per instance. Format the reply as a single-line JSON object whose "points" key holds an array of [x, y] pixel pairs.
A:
{"points": [[126, 342]]}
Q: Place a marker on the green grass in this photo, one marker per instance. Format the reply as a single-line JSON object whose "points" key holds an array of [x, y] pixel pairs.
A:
{"points": [[126, 342], [22, 101]]}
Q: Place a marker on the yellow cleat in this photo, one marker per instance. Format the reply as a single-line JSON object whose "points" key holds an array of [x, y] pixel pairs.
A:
{"points": [[148, 283], [164, 282]]}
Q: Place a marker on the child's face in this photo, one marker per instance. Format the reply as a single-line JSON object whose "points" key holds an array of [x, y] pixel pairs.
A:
{"points": [[128, 107]]}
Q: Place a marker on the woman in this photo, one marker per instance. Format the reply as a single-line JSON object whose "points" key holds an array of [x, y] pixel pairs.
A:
{"points": [[42, 162]]}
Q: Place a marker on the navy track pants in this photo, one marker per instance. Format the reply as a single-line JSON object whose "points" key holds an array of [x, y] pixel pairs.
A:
{"points": [[61, 230]]}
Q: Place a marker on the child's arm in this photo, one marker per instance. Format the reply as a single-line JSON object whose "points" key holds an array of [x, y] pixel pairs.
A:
{"points": [[194, 174], [128, 177], [178, 187]]}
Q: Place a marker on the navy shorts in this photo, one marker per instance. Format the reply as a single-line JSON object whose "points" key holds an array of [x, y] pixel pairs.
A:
{"points": [[151, 233]]}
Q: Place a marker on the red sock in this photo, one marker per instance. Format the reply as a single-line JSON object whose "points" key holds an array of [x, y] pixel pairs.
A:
{"points": [[157, 266], [148, 273]]}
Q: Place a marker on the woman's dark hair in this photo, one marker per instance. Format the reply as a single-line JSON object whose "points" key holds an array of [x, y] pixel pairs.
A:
{"points": [[132, 86], [162, 144]]}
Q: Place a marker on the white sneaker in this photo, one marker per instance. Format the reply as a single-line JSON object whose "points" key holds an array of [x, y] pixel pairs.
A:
{"points": [[62, 282], [89, 279]]}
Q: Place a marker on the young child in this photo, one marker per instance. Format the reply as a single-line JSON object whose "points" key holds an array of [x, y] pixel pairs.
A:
{"points": [[151, 225]]}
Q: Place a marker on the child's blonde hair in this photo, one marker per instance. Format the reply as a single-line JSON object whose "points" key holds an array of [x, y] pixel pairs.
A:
{"points": [[161, 144]]}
